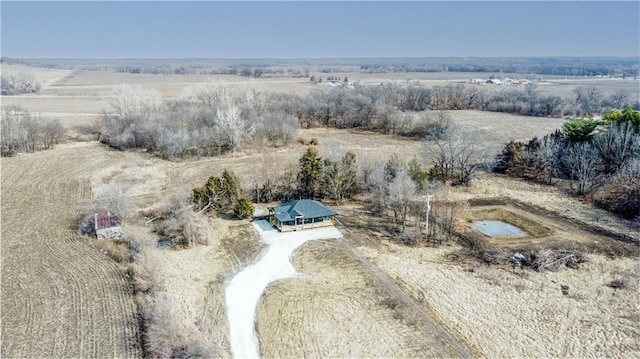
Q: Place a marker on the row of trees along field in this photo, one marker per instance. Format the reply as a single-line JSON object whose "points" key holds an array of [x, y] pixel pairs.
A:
{"points": [[210, 119], [559, 66], [23, 131], [599, 158]]}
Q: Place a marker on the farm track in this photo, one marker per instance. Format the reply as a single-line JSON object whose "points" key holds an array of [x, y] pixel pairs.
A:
{"points": [[61, 297], [436, 335], [343, 306]]}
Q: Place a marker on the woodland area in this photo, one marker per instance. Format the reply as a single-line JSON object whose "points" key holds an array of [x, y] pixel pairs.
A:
{"points": [[211, 120]]}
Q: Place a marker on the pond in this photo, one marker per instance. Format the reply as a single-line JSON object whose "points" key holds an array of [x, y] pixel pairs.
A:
{"points": [[498, 229]]}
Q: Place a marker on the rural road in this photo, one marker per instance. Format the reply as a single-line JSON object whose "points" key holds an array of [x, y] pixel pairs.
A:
{"points": [[246, 288]]}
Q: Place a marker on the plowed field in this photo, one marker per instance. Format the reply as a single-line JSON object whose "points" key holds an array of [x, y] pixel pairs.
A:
{"points": [[61, 297]]}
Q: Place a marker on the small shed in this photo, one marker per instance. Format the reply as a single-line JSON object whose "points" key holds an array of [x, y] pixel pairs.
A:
{"points": [[301, 214], [107, 225]]}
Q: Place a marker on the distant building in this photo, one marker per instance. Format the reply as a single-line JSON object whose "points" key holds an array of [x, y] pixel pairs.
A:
{"points": [[302, 214], [107, 225]]}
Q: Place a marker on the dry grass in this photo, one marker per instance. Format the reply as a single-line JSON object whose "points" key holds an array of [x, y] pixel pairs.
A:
{"points": [[509, 312], [334, 308], [116, 249], [175, 220]]}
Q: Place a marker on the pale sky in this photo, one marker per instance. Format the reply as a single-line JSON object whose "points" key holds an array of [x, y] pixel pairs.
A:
{"points": [[152, 29]]}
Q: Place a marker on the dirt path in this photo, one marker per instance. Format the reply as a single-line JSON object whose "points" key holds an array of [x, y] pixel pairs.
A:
{"points": [[435, 334], [61, 297]]}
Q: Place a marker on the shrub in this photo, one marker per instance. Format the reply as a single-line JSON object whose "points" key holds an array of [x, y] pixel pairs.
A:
{"points": [[621, 194], [244, 208], [510, 158], [18, 84]]}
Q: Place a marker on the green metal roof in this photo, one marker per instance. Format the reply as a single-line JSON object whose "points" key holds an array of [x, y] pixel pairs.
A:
{"points": [[306, 208]]}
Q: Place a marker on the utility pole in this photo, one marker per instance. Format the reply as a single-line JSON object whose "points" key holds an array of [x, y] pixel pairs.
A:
{"points": [[426, 217]]}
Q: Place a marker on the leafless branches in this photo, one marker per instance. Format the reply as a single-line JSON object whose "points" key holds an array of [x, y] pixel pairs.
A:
{"points": [[455, 155]]}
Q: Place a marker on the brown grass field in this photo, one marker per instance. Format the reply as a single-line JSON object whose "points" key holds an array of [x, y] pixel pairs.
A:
{"points": [[361, 296]]}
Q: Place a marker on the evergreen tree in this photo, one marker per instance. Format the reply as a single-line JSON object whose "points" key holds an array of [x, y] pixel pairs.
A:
{"points": [[219, 192], [310, 173], [392, 167], [243, 208], [418, 175], [580, 129]]}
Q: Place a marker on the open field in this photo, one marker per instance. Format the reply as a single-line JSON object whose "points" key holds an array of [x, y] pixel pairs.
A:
{"points": [[44, 76], [61, 297], [78, 97], [361, 296], [335, 285]]}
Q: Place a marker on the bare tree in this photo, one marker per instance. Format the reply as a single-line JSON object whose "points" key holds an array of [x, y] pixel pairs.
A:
{"points": [[589, 98], [549, 106], [135, 101], [455, 155], [210, 94], [52, 132], [113, 198], [619, 99], [23, 131], [474, 98], [340, 177], [401, 192], [378, 185], [582, 161], [444, 213], [232, 130]]}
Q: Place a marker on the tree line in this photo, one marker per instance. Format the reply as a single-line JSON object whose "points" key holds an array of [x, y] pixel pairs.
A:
{"points": [[599, 158], [204, 120], [210, 119], [558, 66], [22, 131]]}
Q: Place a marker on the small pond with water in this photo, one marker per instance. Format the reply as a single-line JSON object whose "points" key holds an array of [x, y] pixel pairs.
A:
{"points": [[497, 229]]}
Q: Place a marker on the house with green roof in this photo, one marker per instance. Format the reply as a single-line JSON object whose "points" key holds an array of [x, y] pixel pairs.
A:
{"points": [[299, 215]]}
